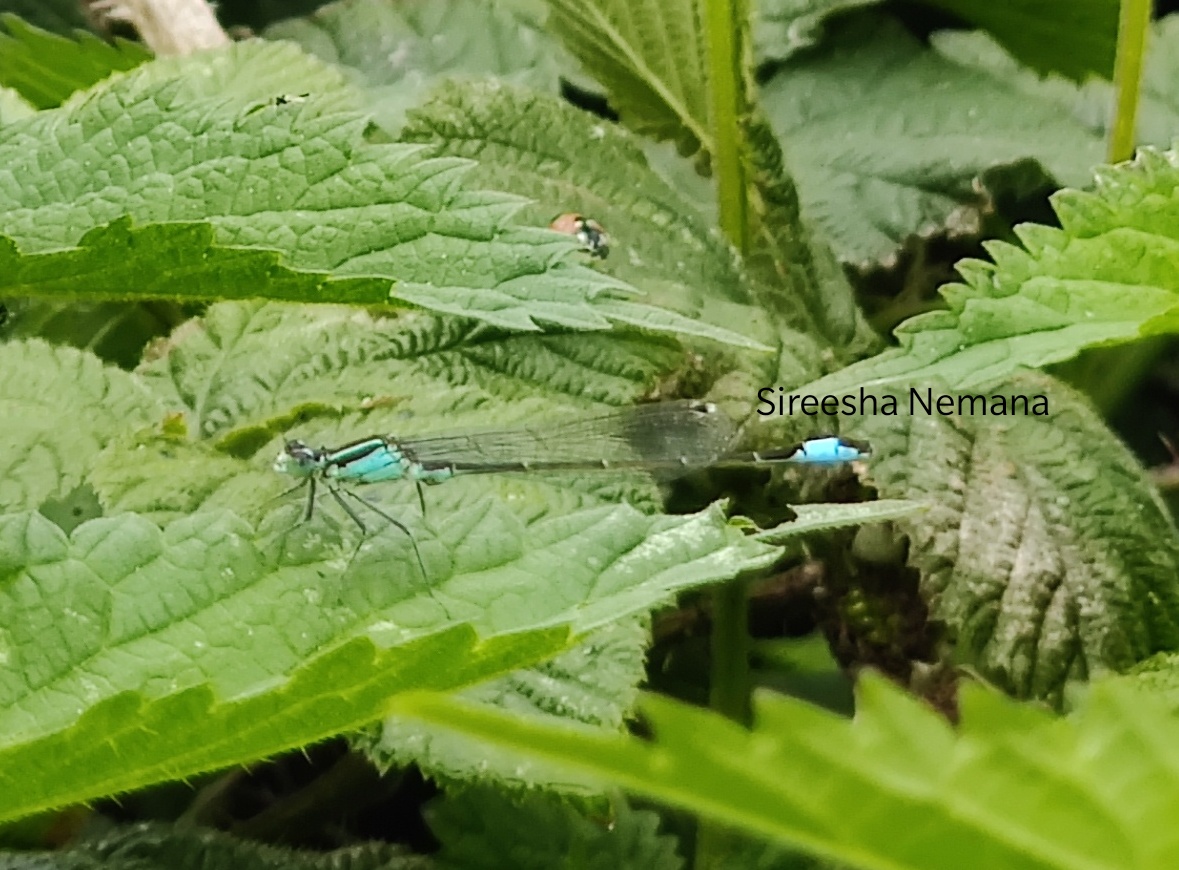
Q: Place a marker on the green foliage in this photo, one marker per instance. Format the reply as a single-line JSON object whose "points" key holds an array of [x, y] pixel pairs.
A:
{"points": [[168, 607], [1026, 554], [1014, 787], [236, 220], [650, 56], [1106, 276], [162, 847], [479, 828], [594, 683], [39, 387], [45, 69], [1073, 38], [431, 40]]}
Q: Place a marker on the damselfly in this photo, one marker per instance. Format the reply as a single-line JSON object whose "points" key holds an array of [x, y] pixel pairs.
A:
{"points": [[662, 437]]}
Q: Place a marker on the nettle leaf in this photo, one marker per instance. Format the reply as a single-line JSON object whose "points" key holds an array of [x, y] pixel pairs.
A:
{"points": [[873, 164], [1089, 103], [1075, 39], [1106, 276], [827, 517], [565, 160], [650, 57], [255, 370], [136, 654], [781, 28], [59, 16], [1014, 788], [1044, 550], [314, 194], [396, 52], [160, 847], [479, 826], [60, 407], [46, 69], [502, 546], [795, 259], [595, 683]]}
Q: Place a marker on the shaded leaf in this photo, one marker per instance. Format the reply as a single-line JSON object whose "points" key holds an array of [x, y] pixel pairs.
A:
{"points": [[594, 683], [1015, 788], [1045, 550], [479, 828], [158, 847], [650, 57], [46, 69], [1076, 39], [395, 52]]}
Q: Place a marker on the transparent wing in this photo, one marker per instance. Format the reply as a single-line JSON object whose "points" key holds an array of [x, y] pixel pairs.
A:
{"points": [[662, 434]]}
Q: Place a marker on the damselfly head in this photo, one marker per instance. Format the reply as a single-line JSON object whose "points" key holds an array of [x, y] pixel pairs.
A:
{"points": [[298, 459]]}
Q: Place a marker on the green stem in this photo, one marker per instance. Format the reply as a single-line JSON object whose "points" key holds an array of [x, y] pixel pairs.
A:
{"points": [[725, 23], [723, 33], [723, 28], [728, 691], [1108, 375], [1133, 27]]}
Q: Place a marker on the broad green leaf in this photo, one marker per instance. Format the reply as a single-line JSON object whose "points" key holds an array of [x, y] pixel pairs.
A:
{"points": [[395, 52], [317, 202], [46, 69], [136, 654], [825, 517], [60, 407], [650, 57], [1107, 275], [565, 160], [886, 137], [243, 75], [479, 827], [1158, 112], [1015, 788], [1045, 552], [248, 372], [161, 847], [981, 112], [1076, 39]]}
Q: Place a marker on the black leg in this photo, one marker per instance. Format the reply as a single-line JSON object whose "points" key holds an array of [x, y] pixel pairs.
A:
{"points": [[421, 496], [392, 520], [309, 511], [351, 513]]}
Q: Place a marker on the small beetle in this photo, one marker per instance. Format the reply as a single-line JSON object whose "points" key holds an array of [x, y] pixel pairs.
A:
{"points": [[589, 232]]}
